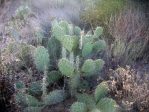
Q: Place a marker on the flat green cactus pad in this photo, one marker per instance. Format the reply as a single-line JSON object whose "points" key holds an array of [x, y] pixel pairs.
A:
{"points": [[66, 67], [99, 64], [88, 67], [53, 76], [107, 105], [78, 107], [99, 45], [98, 32], [58, 32], [54, 97], [41, 58], [69, 42], [87, 49], [101, 91]]}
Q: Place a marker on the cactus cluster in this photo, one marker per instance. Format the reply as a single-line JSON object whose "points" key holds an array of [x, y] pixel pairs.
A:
{"points": [[29, 102], [95, 103], [76, 61], [78, 49]]}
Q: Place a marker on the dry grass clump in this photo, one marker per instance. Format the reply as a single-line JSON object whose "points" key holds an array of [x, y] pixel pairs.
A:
{"points": [[99, 11], [130, 32], [130, 89]]}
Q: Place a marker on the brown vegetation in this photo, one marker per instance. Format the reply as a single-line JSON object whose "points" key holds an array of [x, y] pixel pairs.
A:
{"points": [[129, 89]]}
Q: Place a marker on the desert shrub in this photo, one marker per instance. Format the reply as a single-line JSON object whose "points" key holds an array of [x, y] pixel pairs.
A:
{"points": [[99, 11], [129, 89], [130, 32]]}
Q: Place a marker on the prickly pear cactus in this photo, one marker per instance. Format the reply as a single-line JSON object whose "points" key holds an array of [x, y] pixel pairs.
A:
{"points": [[87, 99], [27, 100], [54, 97], [53, 76], [32, 101], [99, 64], [95, 110], [32, 109], [98, 32], [101, 91], [58, 32], [78, 50], [87, 49], [78, 107], [20, 85], [77, 31], [99, 45], [74, 82], [107, 105], [35, 89], [41, 58], [65, 26], [69, 42], [88, 67], [66, 67]]}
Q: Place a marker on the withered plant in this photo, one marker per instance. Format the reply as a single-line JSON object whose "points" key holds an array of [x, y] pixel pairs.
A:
{"points": [[130, 89]]}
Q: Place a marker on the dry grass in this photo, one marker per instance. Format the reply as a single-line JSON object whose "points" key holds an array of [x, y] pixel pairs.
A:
{"points": [[131, 34], [131, 90]]}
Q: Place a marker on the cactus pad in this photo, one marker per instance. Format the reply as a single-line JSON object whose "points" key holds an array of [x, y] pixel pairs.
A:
{"points": [[99, 45], [66, 67], [99, 64], [98, 32], [87, 49], [53, 76], [88, 67], [41, 58], [69, 42], [101, 91], [107, 105], [54, 97], [78, 107]]}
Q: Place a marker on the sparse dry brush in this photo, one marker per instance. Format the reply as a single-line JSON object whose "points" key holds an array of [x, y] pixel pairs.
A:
{"points": [[130, 31], [130, 89]]}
